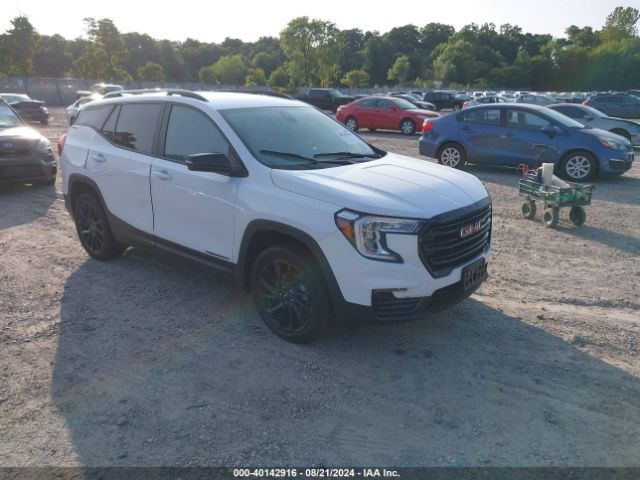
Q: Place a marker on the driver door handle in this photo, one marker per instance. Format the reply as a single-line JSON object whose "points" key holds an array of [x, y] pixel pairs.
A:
{"points": [[98, 157]]}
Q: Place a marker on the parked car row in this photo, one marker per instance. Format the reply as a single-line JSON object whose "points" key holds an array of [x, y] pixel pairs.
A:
{"points": [[513, 134], [29, 109]]}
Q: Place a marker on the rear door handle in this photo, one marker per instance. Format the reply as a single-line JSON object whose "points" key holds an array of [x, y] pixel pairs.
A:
{"points": [[162, 175], [466, 129], [98, 157], [507, 135]]}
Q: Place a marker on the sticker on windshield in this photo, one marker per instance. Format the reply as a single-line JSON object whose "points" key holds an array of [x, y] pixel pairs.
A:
{"points": [[348, 137]]}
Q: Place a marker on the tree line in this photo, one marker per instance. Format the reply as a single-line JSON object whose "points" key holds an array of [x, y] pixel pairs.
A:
{"points": [[314, 52]]}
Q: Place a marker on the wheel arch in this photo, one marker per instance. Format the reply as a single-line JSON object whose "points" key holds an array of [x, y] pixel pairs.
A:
{"points": [[261, 234], [79, 184]]}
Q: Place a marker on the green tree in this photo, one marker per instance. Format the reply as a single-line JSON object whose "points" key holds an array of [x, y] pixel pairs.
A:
{"points": [[142, 49], [229, 70], [279, 77], [105, 51], [456, 63], [378, 59], [621, 23], [151, 72], [356, 78], [51, 57], [310, 46], [398, 72], [267, 62], [255, 77], [21, 44]]}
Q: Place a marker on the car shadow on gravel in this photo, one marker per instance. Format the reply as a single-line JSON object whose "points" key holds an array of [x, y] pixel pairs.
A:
{"points": [[21, 204], [619, 241], [156, 366]]}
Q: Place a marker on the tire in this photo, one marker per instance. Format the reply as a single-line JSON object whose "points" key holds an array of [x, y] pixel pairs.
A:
{"points": [[290, 294], [622, 133], [72, 120], [456, 107], [551, 217], [93, 229], [578, 216], [351, 123], [452, 155], [44, 122], [529, 210], [372, 130], [578, 166], [407, 127]]}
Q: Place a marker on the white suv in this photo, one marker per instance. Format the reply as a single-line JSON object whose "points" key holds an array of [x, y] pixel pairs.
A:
{"points": [[282, 200]]}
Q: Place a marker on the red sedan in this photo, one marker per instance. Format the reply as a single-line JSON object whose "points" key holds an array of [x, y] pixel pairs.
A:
{"points": [[385, 113]]}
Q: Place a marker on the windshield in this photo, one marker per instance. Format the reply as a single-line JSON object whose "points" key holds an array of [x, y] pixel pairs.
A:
{"points": [[296, 137], [337, 93], [8, 119], [404, 104], [593, 112], [562, 119]]}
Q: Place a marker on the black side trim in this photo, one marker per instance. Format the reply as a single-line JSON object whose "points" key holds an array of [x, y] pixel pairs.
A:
{"points": [[168, 251]]}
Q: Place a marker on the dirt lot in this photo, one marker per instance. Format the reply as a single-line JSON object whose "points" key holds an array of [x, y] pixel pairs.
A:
{"points": [[133, 362]]}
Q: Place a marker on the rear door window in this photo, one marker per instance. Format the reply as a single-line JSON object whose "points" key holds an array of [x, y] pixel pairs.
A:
{"points": [[137, 125], [368, 103], [486, 116]]}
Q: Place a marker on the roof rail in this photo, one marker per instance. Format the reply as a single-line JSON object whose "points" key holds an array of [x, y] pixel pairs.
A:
{"points": [[168, 91]]}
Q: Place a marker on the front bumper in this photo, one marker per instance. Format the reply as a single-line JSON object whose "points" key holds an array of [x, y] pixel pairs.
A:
{"points": [[27, 169], [618, 162], [385, 308]]}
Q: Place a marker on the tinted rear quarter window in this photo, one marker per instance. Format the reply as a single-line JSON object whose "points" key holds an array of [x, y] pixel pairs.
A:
{"points": [[136, 126], [94, 116], [368, 103]]}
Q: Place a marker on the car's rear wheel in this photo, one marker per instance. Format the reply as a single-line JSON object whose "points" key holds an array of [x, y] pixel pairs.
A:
{"points": [[93, 229], [290, 293], [351, 124], [407, 127], [452, 155], [578, 166]]}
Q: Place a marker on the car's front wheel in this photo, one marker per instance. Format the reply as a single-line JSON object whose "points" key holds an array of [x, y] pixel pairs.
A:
{"points": [[578, 166], [351, 123], [94, 230], [290, 293], [452, 155]]}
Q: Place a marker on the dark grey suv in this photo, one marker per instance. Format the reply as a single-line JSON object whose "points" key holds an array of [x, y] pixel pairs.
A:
{"points": [[25, 155], [620, 105]]}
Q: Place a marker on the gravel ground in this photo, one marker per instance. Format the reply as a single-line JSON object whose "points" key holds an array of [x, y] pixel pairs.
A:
{"points": [[134, 362]]}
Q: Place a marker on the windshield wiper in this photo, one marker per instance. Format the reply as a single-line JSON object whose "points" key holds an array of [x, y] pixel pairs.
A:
{"points": [[308, 160], [347, 154]]}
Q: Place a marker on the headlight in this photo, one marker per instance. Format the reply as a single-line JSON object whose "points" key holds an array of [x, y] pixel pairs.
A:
{"points": [[612, 144], [368, 234], [44, 146]]}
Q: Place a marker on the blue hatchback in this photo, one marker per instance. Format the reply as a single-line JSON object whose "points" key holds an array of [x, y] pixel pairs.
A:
{"points": [[514, 134]]}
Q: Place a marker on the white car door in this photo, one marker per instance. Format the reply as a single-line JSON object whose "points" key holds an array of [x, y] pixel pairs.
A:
{"points": [[120, 162], [193, 209]]}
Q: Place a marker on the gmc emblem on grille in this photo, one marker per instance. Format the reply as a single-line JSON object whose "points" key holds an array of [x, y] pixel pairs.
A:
{"points": [[7, 146], [471, 229]]}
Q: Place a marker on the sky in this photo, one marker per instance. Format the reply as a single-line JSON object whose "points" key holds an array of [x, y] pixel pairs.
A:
{"points": [[248, 20]]}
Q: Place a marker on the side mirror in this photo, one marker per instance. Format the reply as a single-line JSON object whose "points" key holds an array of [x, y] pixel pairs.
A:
{"points": [[550, 130], [210, 162]]}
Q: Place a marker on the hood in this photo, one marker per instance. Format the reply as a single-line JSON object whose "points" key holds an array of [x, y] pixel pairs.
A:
{"points": [[609, 135], [22, 133], [394, 185]]}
